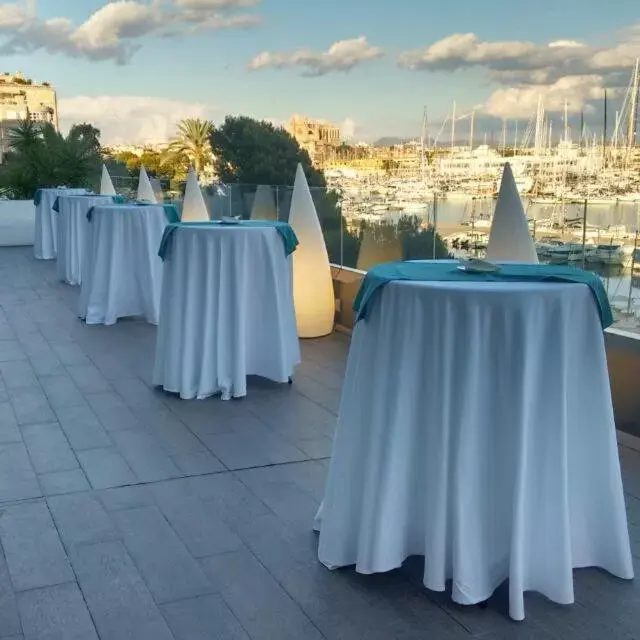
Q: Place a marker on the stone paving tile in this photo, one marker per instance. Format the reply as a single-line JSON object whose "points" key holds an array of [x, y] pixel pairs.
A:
{"points": [[46, 362], [9, 618], [18, 375], [61, 391], [81, 519], [118, 599], [106, 468], [287, 494], [126, 498], [48, 448], [232, 500], [82, 428], [17, 478], [55, 613], [203, 618], [63, 482], [9, 431], [145, 456], [168, 569], [261, 605], [112, 411], [200, 527], [11, 351], [70, 354], [31, 406], [33, 550], [196, 464], [88, 378]]}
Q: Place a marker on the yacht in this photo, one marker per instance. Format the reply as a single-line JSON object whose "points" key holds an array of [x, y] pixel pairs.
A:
{"points": [[609, 254], [571, 252]]}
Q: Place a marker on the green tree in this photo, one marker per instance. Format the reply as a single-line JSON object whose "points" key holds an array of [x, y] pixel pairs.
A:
{"points": [[193, 143], [255, 152], [417, 242], [88, 133], [252, 152], [39, 156]]}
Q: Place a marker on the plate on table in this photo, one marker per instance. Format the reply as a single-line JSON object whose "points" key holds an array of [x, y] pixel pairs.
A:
{"points": [[475, 265], [229, 221]]}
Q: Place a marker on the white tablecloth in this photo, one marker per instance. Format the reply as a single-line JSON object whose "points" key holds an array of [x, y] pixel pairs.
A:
{"points": [[72, 228], [121, 270], [227, 312], [476, 430], [45, 240]]}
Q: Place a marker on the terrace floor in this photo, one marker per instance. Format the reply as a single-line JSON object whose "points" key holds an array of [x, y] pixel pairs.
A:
{"points": [[129, 514]]}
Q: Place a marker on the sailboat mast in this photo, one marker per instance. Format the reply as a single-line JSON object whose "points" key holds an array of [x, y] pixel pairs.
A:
{"points": [[566, 122], [423, 134], [504, 136], [633, 112], [453, 125], [473, 115], [604, 130]]}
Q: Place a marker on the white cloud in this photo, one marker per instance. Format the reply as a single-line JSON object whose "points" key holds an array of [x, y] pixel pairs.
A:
{"points": [[12, 16], [116, 29], [215, 4], [560, 70], [348, 129], [343, 55], [516, 102], [131, 119], [463, 50]]}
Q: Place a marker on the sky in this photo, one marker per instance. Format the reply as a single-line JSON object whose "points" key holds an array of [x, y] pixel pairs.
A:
{"points": [[136, 67]]}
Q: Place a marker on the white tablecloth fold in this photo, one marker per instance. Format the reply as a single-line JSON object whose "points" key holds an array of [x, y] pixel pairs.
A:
{"points": [[121, 270], [46, 234], [72, 228], [476, 430], [226, 312]]}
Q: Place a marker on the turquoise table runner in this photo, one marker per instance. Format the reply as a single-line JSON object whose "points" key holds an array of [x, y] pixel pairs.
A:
{"points": [[114, 199], [289, 239], [170, 210], [37, 198], [446, 271]]}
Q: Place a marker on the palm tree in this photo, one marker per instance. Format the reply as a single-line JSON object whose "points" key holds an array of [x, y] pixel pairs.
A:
{"points": [[193, 142], [40, 156]]}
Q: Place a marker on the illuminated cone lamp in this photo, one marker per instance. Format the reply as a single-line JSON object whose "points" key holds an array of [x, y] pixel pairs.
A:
{"points": [[312, 285], [194, 208], [106, 185], [509, 238], [264, 208], [145, 190]]}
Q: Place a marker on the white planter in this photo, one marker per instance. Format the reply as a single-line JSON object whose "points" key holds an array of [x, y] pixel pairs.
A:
{"points": [[17, 223]]}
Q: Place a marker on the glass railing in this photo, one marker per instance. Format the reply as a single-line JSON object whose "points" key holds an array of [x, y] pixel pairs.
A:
{"points": [[372, 226]]}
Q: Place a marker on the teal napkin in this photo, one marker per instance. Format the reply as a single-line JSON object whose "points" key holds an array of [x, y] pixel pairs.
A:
{"points": [[56, 204], [447, 271], [289, 239], [170, 210]]}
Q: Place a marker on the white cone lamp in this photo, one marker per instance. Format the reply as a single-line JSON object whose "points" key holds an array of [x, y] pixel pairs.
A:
{"points": [[145, 190], [106, 185], [194, 208], [509, 238], [264, 207], [312, 285]]}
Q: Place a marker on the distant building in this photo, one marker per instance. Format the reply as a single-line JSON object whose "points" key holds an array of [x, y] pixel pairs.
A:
{"points": [[318, 137], [20, 98]]}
